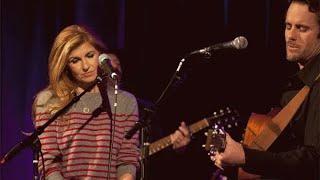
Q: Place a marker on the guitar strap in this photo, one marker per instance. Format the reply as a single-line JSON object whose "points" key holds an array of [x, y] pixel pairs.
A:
{"points": [[274, 127]]}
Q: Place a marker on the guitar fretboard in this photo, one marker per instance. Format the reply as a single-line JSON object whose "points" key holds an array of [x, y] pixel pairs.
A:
{"points": [[166, 141], [221, 119]]}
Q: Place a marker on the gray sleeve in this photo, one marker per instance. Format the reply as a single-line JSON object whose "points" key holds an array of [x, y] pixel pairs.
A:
{"points": [[55, 176], [124, 169]]}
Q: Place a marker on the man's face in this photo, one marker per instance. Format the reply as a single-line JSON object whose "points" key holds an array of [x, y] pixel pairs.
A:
{"points": [[301, 33]]}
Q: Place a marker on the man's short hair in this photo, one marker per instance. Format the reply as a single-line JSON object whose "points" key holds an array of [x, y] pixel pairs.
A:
{"points": [[314, 7]]}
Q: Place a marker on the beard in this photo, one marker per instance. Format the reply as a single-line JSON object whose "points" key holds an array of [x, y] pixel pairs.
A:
{"points": [[293, 57], [298, 58]]}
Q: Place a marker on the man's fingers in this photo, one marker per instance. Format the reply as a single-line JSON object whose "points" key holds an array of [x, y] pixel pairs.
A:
{"points": [[213, 158], [218, 165], [176, 136], [184, 129]]}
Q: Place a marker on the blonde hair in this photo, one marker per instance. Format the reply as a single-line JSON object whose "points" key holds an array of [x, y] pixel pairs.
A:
{"points": [[61, 80]]}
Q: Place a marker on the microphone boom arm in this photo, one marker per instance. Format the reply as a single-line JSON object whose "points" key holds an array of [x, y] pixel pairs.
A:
{"points": [[31, 139]]}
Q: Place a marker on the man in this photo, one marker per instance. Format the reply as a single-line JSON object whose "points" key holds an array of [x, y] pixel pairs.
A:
{"points": [[300, 159]]}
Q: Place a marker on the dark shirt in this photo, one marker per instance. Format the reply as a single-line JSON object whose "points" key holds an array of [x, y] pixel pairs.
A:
{"points": [[295, 154]]}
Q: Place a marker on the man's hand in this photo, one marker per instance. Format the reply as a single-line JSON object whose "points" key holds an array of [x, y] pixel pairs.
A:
{"points": [[181, 137], [232, 155]]}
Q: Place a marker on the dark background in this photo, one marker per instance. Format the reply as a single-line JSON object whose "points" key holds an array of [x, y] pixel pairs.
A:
{"points": [[150, 38]]}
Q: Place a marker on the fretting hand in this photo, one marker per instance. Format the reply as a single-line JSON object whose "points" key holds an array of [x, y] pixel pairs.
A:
{"points": [[181, 137]]}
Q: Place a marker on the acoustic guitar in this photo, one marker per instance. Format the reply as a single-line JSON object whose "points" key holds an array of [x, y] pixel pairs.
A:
{"points": [[226, 118], [255, 125]]}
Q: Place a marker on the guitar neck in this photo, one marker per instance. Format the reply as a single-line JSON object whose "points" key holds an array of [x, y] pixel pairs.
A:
{"points": [[166, 141]]}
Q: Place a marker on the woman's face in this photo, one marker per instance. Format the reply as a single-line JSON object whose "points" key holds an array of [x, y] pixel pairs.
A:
{"points": [[83, 64]]}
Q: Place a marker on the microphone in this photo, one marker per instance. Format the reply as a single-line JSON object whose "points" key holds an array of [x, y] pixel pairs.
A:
{"points": [[105, 65], [238, 43], [133, 130]]}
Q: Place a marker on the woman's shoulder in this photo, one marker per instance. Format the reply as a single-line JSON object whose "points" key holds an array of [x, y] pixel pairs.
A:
{"points": [[43, 97], [122, 93], [41, 102], [127, 96]]}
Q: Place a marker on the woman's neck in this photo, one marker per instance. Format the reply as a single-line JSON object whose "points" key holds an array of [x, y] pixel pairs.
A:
{"points": [[80, 89]]}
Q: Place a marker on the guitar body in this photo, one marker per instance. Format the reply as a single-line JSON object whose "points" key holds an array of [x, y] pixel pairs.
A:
{"points": [[254, 127]]}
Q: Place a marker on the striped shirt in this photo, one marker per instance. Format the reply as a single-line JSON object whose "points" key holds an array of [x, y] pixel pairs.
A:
{"points": [[77, 146]]}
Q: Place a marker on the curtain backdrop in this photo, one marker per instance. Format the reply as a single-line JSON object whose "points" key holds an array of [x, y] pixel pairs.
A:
{"points": [[150, 38]]}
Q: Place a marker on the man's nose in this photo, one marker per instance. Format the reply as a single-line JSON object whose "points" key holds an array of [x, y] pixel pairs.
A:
{"points": [[292, 34]]}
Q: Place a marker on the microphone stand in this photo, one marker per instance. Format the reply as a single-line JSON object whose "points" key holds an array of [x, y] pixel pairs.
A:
{"points": [[144, 125], [36, 147], [32, 140]]}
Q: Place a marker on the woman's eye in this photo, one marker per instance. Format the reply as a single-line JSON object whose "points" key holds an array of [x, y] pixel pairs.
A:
{"points": [[74, 60], [90, 55]]}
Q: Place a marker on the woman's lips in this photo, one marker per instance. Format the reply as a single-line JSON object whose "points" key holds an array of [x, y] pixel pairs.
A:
{"points": [[87, 74]]}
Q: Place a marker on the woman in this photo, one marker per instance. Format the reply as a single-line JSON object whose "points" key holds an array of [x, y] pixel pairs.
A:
{"points": [[78, 144]]}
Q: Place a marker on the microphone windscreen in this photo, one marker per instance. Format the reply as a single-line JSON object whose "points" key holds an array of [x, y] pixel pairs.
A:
{"points": [[240, 42], [104, 63]]}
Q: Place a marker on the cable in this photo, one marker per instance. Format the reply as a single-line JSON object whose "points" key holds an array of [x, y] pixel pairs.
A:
{"points": [[43, 169], [112, 125]]}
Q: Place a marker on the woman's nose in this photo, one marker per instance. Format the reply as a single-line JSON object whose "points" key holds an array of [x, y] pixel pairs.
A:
{"points": [[85, 65]]}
